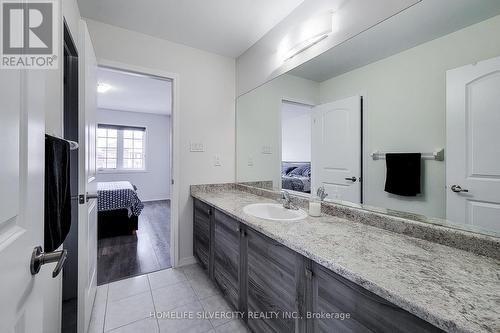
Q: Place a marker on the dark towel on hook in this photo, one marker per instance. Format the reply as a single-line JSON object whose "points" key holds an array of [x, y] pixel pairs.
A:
{"points": [[403, 173], [57, 192]]}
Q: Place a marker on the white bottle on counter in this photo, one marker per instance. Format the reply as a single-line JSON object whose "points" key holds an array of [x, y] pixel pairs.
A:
{"points": [[315, 207]]}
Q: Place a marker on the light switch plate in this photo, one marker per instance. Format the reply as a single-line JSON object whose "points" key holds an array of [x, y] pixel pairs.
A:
{"points": [[197, 147]]}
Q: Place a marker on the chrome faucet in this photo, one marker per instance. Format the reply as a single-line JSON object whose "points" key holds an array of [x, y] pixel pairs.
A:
{"points": [[287, 201], [321, 193]]}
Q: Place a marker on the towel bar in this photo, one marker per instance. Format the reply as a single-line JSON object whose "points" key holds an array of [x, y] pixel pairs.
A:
{"points": [[437, 155], [73, 145]]}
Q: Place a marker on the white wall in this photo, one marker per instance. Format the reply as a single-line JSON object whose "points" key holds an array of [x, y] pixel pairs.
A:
{"points": [[258, 123], [405, 108], [295, 132], [206, 107], [154, 182]]}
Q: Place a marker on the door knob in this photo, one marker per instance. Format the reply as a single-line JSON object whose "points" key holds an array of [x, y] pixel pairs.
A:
{"points": [[40, 258], [458, 189], [352, 179]]}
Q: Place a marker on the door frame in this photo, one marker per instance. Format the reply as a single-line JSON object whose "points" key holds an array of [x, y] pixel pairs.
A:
{"points": [[71, 123], [175, 144], [305, 103]]}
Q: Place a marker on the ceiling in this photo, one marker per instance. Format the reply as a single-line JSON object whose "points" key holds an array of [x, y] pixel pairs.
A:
{"points": [[425, 21], [225, 27], [134, 92]]}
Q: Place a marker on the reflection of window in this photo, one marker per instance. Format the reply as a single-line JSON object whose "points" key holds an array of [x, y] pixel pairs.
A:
{"points": [[120, 147]]}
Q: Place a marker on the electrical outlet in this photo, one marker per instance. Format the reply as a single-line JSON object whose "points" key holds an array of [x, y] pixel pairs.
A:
{"points": [[250, 161], [197, 147]]}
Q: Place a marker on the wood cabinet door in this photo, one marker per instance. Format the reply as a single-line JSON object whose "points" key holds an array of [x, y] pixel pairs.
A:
{"points": [[367, 311], [202, 217], [272, 283], [227, 257]]}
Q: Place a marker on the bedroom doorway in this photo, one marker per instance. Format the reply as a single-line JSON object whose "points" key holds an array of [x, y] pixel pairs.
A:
{"points": [[134, 173], [296, 146]]}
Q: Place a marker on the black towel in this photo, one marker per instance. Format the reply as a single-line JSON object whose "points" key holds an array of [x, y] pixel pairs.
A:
{"points": [[403, 174], [57, 192]]}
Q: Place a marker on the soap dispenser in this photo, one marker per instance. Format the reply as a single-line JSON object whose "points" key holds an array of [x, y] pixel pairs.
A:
{"points": [[315, 202]]}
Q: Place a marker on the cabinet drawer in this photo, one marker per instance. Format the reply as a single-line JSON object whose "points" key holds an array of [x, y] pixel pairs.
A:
{"points": [[368, 312]]}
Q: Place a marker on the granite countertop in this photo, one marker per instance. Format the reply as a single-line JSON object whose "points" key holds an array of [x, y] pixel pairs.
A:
{"points": [[453, 289]]}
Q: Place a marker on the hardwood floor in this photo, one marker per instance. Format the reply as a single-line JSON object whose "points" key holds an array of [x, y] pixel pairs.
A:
{"points": [[147, 251]]}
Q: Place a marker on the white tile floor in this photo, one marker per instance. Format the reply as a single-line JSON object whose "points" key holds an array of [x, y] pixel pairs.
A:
{"points": [[126, 306]]}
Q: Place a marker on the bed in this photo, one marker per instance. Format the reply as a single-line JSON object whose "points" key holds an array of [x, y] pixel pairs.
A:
{"points": [[118, 209], [296, 176]]}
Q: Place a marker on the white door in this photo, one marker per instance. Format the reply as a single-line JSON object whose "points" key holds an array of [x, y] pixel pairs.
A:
{"points": [[87, 228], [336, 149], [28, 303], [473, 145]]}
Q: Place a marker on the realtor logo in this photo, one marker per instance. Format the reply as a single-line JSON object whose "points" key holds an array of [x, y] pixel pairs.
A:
{"points": [[29, 34]]}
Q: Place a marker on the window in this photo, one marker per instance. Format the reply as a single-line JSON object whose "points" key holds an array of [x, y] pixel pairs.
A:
{"points": [[107, 140], [120, 147], [133, 149]]}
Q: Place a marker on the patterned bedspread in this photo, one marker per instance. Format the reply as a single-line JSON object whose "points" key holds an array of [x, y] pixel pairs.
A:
{"points": [[118, 195], [296, 183]]}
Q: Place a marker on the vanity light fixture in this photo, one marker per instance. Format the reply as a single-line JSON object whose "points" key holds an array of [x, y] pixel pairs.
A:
{"points": [[309, 33], [301, 47], [103, 87]]}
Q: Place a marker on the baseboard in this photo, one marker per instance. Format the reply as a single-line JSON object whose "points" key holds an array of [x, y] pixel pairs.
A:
{"points": [[186, 261], [151, 200]]}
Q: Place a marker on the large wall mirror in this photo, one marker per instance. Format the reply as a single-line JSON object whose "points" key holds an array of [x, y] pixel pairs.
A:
{"points": [[414, 131]]}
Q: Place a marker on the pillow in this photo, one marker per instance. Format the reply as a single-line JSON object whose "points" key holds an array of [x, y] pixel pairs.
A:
{"points": [[286, 169], [302, 170]]}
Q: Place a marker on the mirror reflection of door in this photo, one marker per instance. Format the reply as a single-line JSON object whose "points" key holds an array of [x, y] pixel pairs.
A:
{"points": [[336, 149], [473, 136], [296, 146]]}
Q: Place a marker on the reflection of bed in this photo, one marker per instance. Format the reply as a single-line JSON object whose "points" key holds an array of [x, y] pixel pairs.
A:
{"points": [[296, 176], [118, 209]]}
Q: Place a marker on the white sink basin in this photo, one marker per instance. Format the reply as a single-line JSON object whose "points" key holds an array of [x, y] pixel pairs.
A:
{"points": [[274, 212]]}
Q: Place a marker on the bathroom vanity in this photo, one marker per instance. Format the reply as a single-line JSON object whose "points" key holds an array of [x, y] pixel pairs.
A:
{"points": [[332, 274]]}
